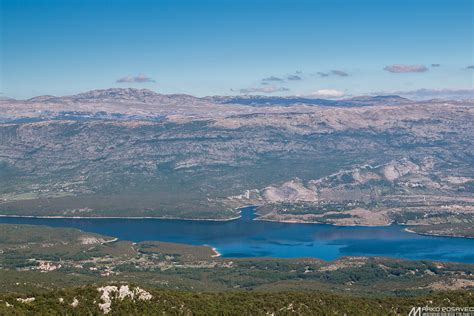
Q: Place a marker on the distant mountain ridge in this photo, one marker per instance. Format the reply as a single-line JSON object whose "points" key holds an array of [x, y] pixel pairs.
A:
{"points": [[259, 100], [145, 104], [149, 96], [116, 94]]}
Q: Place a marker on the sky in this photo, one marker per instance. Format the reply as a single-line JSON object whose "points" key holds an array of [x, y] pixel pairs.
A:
{"points": [[321, 48]]}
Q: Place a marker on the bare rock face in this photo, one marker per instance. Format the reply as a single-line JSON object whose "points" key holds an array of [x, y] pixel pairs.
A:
{"points": [[26, 300], [291, 191], [395, 170], [400, 191], [111, 292]]}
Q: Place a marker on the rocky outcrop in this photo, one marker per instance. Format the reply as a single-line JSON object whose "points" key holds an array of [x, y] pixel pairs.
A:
{"points": [[111, 292]]}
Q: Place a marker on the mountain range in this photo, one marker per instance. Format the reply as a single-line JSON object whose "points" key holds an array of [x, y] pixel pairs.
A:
{"points": [[371, 160]]}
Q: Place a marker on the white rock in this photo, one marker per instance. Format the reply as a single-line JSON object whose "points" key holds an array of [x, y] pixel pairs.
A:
{"points": [[123, 292], [26, 300]]}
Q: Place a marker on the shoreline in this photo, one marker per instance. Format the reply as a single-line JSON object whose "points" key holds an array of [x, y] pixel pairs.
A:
{"points": [[111, 240], [216, 253], [224, 220], [436, 235], [336, 225], [239, 212], [316, 223], [296, 221], [123, 217]]}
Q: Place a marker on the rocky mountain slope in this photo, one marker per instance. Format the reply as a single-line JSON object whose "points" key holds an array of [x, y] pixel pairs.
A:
{"points": [[129, 152]]}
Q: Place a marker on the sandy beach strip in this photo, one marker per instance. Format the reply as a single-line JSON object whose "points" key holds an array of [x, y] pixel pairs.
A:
{"points": [[216, 253]]}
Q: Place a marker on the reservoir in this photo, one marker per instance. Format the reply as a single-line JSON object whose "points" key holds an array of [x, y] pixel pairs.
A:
{"points": [[246, 237]]}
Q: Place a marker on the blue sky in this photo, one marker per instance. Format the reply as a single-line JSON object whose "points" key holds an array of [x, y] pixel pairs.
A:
{"points": [[229, 47]]}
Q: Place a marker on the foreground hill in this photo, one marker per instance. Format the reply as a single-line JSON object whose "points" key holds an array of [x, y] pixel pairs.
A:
{"points": [[129, 152], [122, 299]]}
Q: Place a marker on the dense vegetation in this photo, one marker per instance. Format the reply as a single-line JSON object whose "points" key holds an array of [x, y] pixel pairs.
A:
{"points": [[88, 298], [41, 259]]}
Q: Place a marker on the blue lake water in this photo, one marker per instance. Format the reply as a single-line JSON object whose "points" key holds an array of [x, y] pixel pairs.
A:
{"points": [[246, 237]]}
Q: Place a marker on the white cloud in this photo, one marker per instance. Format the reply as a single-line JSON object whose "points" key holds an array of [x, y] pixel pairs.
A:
{"points": [[335, 72], [328, 93], [401, 68], [272, 79], [270, 89], [294, 77], [424, 94], [140, 78], [339, 73]]}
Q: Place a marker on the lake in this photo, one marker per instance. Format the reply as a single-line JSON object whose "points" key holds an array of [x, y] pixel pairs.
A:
{"points": [[246, 237]]}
